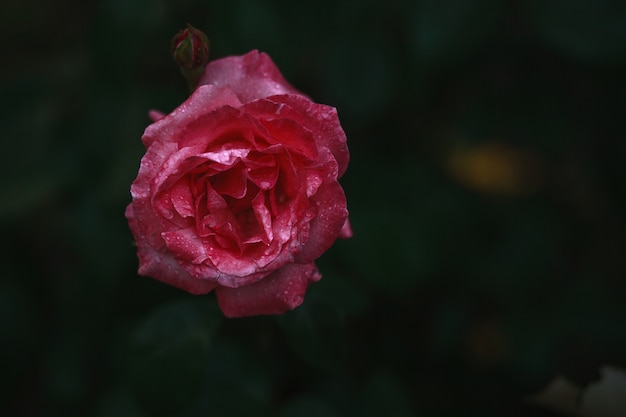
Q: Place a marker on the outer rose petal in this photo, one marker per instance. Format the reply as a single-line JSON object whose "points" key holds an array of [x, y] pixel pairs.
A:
{"points": [[156, 115], [346, 230], [145, 224], [275, 294], [251, 76], [161, 265], [203, 101], [323, 122], [328, 223]]}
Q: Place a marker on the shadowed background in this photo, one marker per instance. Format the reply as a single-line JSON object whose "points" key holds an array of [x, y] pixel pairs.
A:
{"points": [[486, 192]]}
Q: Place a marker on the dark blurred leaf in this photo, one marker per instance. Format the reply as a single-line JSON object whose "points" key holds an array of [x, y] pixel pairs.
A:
{"points": [[449, 322], [592, 31], [532, 359], [259, 25], [591, 323], [168, 354], [346, 296], [389, 250], [17, 335], [27, 195], [308, 407], [411, 227], [444, 32], [237, 383], [27, 129], [385, 395], [66, 367], [359, 76], [316, 333], [522, 253], [118, 402]]}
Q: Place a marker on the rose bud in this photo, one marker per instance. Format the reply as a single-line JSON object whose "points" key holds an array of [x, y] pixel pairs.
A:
{"points": [[238, 190], [190, 50]]}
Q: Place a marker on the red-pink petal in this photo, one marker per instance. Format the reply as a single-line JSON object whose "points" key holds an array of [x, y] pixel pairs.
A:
{"points": [[326, 226], [251, 76], [323, 123], [161, 265], [264, 178], [284, 125], [203, 101], [186, 245], [346, 230], [155, 115], [232, 182], [223, 128], [182, 198], [277, 293], [263, 217]]}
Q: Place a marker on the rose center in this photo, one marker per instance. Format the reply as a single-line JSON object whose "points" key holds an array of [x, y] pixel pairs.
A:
{"points": [[237, 206]]}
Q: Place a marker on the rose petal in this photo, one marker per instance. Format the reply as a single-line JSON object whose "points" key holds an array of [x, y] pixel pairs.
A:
{"points": [[289, 131], [276, 293], [319, 119], [206, 260], [155, 115], [223, 128], [150, 165], [233, 182], [175, 164], [325, 227], [145, 224], [203, 101], [263, 217], [251, 76], [346, 230], [226, 157], [182, 198], [264, 178], [314, 179], [185, 245], [161, 265]]}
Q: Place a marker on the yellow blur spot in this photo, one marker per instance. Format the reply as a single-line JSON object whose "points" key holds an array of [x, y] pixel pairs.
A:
{"points": [[494, 168]]}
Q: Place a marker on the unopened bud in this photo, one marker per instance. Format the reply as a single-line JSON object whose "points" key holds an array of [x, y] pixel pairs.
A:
{"points": [[190, 49]]}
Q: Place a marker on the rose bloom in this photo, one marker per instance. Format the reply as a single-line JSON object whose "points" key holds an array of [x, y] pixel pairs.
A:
{"points": [[238, 191]]}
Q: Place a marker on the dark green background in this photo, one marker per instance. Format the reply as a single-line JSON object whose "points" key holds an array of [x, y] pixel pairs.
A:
{"points": [[451, 299]]}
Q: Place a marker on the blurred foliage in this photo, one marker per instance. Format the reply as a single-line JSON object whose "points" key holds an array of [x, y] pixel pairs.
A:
{"points": [[486, 191]]}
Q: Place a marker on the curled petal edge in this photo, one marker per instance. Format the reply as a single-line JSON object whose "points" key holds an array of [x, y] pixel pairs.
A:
{"points": [[160, 265], [277, 293]]}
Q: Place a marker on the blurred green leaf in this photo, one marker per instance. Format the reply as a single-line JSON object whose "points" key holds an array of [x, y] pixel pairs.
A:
{"points": [[120, 401], [66, 367], [359, 76], [532, 358], [592, 31], [237, 382], [168, 355], [18, 335], [385, 394], [418, 226], [449, 322], [444, 32], [316, 333], [308, 407], [348, 296]]}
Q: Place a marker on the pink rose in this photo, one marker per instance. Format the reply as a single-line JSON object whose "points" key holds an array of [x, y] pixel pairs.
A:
{"points": [[238, 191]]}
